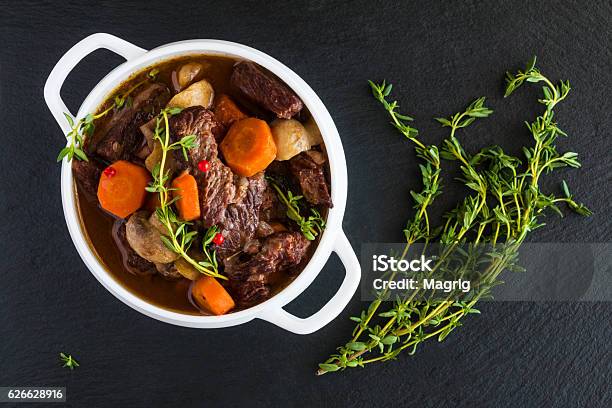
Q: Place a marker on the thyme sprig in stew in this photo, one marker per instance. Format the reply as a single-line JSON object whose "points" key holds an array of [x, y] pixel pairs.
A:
{"points": [[85, 127], [178, 237], [310, 226]]}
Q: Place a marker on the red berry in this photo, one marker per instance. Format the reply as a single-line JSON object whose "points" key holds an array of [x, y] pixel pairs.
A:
{"points": [[218, 239], [204, 165], [110, 171]]}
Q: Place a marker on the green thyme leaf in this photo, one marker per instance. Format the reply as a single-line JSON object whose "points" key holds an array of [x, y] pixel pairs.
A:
{"points": [[68, 361]]}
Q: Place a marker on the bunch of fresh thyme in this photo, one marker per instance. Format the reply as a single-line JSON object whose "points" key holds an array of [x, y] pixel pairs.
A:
{"points": [[505, 205], [310, 227], [85, 127], [178, 238]]}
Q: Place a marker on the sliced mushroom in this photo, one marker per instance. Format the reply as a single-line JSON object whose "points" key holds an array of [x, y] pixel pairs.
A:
{"points": [[290, 137], [157, 224], [146, 240], [154, 149], [148, 131], [184, 268], [315, 156], [168, 271], [200, 93], [187, 73], [313, 132]]}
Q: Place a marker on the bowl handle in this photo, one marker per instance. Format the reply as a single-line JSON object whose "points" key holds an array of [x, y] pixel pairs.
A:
{"points": [[74, 55], [334, 306]]}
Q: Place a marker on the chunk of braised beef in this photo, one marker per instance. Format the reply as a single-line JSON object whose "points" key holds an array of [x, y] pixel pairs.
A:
{"points": [[281, 251], [199, 121], [121, 138], [309, 174], [248, 294], [265, 90], [271, 207], [240, 220], [87, 175], [263, 229], [252, 247], [133, 262], [217, 186], [217, 191], [249, 278]]}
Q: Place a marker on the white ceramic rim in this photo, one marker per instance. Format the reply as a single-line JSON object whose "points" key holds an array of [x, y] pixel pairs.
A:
{"points": [[333, 239]]}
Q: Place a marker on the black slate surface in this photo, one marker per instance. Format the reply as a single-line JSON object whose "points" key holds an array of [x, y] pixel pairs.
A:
{"points": [[439, 55]]}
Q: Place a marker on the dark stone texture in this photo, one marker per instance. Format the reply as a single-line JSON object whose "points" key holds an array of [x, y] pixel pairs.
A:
{"points": [[439, 55]]}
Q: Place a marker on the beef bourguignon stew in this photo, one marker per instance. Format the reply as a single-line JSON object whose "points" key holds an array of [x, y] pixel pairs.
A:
{"points": [[203, 184]]}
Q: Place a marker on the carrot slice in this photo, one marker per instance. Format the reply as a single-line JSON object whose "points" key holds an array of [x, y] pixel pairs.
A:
{"points": [[226, 111], [248, 147], [211, 296], [188, 203], [121, 190]]}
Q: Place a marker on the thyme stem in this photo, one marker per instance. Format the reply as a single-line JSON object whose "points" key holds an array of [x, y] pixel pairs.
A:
{"points": [[178, 238]]}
